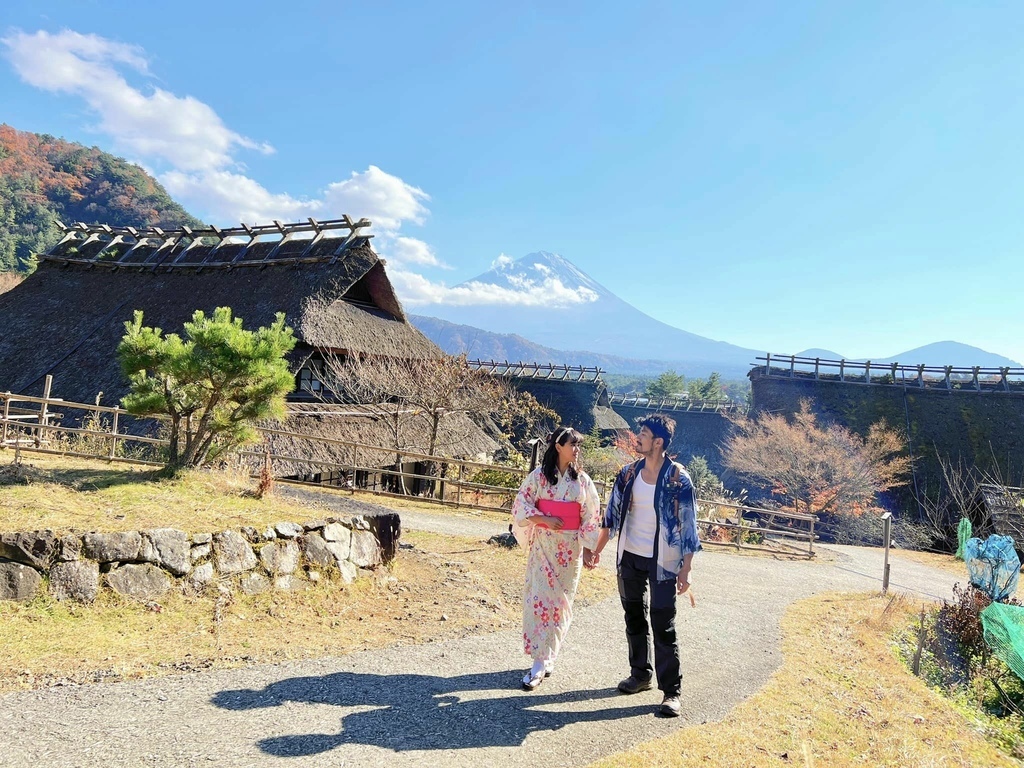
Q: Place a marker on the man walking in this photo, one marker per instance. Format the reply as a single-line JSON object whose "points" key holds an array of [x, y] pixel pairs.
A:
{"points": [[653, 509]]}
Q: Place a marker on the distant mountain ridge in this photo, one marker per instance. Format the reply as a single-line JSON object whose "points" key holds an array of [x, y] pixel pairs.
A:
{"points": [[587, 324], [43, 179], [939, 353], [484, 345], [584, 315]]}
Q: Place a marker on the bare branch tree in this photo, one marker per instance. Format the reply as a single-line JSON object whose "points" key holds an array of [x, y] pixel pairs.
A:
{"points": [[952, 500], [822, 469]]}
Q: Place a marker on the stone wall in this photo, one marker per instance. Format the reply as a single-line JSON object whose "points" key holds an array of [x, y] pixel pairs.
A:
{"points": [[148, 564], [985, 429]]}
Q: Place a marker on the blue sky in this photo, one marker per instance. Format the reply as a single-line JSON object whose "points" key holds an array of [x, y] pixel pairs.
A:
{"points": [[779, 176]]}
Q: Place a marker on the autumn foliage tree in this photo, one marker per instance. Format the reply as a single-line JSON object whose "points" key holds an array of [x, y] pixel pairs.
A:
{"points": [[822, 469], [43, 178]]}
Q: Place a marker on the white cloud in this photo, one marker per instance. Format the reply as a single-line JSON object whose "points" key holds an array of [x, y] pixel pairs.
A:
{"points": [[384, 199], [408, 250], [416, 290], [182, 131], [502, 263], [194, 153]]}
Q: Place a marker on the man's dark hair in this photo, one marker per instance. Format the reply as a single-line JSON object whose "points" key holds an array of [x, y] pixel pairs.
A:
{"points": [[660, 425]]}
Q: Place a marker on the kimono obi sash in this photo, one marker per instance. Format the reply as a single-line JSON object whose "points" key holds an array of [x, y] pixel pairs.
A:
{"points": [[568, 511]]}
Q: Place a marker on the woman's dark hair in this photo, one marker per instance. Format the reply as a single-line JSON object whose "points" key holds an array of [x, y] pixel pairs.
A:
{"points": [[549, 464]]}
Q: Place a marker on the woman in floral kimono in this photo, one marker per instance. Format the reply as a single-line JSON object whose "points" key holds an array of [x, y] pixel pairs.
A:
{"points": [[554, 559]]}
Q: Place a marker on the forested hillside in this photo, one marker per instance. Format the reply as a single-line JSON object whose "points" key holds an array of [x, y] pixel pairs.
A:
{"points": [[43, 179]]}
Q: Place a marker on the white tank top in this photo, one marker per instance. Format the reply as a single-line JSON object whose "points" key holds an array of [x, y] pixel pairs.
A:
{"points": [[641, 524]]}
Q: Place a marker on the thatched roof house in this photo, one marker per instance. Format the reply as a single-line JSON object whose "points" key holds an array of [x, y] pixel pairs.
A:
{"points": [[1003, 507], [67, 318], [577, 394]]}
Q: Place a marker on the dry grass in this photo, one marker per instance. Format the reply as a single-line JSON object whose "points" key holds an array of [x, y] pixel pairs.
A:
{"points": [[67, 493], [419, 505], [946, 563], [64, 493], [823, 707], [9, 279], [116, 638]]}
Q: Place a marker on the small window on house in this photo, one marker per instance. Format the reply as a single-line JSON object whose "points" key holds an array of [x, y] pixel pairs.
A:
{"points": [[309, 379]]}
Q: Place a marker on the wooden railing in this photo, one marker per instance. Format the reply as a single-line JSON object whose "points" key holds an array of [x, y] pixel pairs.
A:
{"points": [[551, 371], [676, 404], [742, 526], [39, 429], [948, 377]]}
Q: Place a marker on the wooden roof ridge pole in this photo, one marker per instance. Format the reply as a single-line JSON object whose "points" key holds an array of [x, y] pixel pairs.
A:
{"points": [[315, 239], [169, 242], [194, 242], [245, 249], [114, 240], [286, 235], [355, 228], [70, 234], [218, 233]]}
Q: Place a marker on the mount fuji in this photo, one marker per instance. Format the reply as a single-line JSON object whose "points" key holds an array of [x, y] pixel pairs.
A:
{"points": [[566, 309]]}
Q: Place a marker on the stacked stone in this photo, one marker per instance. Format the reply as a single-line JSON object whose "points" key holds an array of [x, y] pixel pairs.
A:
{"points": [[147, 564]]}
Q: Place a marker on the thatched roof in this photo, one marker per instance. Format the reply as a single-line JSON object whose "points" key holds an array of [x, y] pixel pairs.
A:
{"points": [[67, 318], [578, 395], [1005, 506], [459, 437]]}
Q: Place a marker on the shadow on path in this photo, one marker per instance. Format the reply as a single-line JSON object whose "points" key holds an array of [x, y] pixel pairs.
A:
{"points": [[423, 712]]}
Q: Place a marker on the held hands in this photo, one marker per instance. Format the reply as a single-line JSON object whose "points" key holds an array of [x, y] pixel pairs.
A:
{"points": [[590, 559], [548, 521]]}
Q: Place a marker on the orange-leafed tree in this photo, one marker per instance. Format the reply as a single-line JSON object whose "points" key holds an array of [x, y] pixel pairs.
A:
{"points": [[817, 468]]}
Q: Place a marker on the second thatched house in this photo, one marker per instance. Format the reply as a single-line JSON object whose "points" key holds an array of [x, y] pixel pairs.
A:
{"points": [[66, 319], [577, 394]]}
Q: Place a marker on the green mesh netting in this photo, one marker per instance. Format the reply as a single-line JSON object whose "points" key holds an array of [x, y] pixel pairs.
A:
{"points": [[963, 533], [1004, 633]]}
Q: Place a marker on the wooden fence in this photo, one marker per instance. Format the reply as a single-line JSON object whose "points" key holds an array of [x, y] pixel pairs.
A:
{"points": [[676, 404], [34, 424], [948, 377], [547, 371]]}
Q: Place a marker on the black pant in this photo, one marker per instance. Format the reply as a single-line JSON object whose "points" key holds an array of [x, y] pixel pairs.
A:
{"points": [[636, 574]]}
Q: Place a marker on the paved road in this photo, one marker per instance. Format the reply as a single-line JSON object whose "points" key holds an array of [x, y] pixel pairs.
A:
{"points": [[450, 703]]}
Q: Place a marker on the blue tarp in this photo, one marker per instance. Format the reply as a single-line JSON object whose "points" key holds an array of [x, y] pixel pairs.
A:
{"points": [[993, 565]]}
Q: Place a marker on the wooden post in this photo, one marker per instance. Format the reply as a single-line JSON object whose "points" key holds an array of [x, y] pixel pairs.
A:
{"points": [[842, 374], [977, 383], [7, 413], [949, 384], [458, 485], [817, 362], [113, 437], [354, 458], [867, 372], [810, 543], [767, 363], [886, 530], [1006, 384], [920, 375], [534, 451], [42, 409]]}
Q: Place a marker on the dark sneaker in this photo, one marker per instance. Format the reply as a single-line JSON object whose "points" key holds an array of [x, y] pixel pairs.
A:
{"points": [[632, 685], [669, 707]]}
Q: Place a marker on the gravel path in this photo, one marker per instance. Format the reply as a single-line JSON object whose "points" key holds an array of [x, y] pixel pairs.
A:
{"points": [[450, 703]]}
